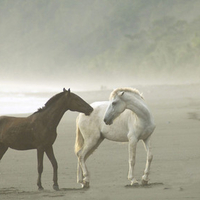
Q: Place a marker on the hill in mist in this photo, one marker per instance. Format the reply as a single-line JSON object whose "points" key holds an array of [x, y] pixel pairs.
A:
{"points": [[64, 40]]}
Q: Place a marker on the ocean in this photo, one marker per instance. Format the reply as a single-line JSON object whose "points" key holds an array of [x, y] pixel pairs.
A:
{"points": [[21, 103]]}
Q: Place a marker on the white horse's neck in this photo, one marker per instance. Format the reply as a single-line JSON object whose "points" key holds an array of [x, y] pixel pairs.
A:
{"points": [[139, 107]]}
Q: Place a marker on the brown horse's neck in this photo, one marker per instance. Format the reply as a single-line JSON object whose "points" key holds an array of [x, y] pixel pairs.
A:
{"points": [[53, 113]]}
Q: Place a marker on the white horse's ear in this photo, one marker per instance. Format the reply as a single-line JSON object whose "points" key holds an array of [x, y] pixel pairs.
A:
{"points": [[121, 93]]}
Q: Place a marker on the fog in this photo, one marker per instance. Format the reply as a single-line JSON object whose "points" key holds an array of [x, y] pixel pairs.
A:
{"points": [[90, 45]]}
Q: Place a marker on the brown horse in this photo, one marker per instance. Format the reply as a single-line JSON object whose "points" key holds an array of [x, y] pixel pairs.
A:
{"points": [[38, 131]]}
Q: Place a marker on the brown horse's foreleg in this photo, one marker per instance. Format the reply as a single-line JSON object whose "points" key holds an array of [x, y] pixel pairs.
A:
{"points": [[40, 156], [3, 150], [50, 154]]}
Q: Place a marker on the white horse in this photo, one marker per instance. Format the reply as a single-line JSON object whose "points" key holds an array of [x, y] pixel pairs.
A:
{"points": [[132, 122]]}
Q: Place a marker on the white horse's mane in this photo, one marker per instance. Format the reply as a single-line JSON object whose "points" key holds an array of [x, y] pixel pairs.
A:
{"points": [[126, 89]]}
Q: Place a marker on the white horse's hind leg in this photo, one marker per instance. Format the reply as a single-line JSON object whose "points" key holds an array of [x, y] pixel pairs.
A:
{"points": [[145, 178], [88, 148], [79, 173], [83, 175], [132, 154]]}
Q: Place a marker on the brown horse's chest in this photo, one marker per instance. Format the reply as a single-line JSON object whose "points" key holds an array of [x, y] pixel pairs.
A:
{"points": [[45, 138]]}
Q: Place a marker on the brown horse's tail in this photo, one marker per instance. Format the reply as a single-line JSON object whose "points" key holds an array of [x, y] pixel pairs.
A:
{"points": [[79, 138]]}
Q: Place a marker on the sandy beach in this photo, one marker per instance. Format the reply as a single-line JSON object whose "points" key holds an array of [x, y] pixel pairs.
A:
{"points": [[175, 146]]}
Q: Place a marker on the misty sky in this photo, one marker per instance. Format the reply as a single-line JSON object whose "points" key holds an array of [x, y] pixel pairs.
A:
{"points": [[81, 43]]}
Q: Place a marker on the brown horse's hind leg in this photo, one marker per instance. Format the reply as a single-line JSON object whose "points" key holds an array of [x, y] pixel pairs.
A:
{"points": [[50, 155], [3, 150]]}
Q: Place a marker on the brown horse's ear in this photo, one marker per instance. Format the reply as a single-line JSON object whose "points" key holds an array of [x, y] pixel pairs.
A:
{"points": [[69, 90], [64, 90]]}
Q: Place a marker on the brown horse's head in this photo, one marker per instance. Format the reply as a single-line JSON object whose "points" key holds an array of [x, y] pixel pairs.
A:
{"points": [[76, 103]]}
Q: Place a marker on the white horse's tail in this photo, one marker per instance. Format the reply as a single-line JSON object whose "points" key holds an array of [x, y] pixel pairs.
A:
{"points": [[79, 138]]}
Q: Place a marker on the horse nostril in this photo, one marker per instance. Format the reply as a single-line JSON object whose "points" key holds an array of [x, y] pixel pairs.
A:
{"points": [[91, 110], [105, 121]]}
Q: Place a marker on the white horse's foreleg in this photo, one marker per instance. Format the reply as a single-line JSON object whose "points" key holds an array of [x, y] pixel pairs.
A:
{"points": [[148, 162], [132, 154]]}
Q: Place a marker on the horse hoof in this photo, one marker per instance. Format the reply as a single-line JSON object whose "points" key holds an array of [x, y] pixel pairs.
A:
{"points": [[85, 184], [40, 188], [134, 182], [56, 187], [144, 182]]}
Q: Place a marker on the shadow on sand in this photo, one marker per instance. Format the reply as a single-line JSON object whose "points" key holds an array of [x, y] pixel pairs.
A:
{"points": [[150, 185], [61, 192], [73, 189]]}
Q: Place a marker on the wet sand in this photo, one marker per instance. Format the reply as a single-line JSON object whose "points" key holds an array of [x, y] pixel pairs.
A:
{"points": [[175, 146]]}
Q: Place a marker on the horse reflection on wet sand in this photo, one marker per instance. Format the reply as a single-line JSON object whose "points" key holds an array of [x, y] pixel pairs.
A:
{"points": [[38, 131]]}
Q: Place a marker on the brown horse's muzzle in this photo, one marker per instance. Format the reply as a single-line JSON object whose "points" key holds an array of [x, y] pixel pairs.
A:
{"points": [[89, 111]]}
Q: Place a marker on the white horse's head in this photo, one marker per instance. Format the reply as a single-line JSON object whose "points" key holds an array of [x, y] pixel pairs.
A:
{"points": [[120, 99], [115, 108]]}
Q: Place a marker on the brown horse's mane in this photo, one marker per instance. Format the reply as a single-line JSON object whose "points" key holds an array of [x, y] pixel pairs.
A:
{"points": [[50, 102]]}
